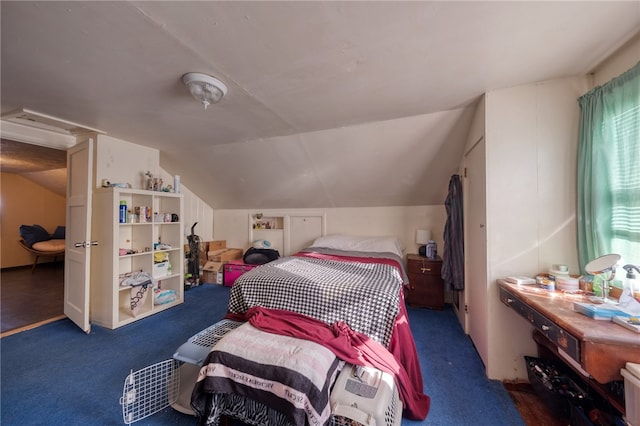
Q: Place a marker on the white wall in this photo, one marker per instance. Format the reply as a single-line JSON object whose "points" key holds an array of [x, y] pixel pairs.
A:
{"points": [[120, 161], [623, 59], [195, 211], [531, 144], [532, 140], [402, 222]]}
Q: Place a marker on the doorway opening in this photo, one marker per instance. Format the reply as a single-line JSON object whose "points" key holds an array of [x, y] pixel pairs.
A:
{"points": [[29, 299]]}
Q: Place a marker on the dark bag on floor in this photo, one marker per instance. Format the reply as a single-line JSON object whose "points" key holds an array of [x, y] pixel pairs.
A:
{"points": [[256, 256]]}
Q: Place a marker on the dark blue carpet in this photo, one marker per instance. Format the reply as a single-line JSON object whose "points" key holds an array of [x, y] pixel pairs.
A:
{"points": [[57, 375]]}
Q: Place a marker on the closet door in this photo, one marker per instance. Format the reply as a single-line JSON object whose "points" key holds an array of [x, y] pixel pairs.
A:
{"points": [[303, 230], [476, 252]]}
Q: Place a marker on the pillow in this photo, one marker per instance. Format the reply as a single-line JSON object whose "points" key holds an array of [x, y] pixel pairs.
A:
{"points": [[58, 234], [33, 234], [353, 243]]}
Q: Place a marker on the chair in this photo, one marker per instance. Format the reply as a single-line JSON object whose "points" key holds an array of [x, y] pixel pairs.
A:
{"points": [[48, 248]]}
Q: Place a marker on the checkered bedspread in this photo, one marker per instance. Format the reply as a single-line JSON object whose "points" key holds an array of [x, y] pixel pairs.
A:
{"points": [[362, 294]]}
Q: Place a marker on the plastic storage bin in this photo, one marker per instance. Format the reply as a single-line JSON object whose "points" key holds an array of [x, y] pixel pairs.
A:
{"points": [[631, 375], [365, 396]]}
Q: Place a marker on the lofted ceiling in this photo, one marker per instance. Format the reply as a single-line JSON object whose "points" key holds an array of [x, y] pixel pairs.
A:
{"points": [[330, 104], [45, 166]]}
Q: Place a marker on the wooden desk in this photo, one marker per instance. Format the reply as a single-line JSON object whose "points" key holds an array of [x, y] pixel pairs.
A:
{"points": [[601, 348]]}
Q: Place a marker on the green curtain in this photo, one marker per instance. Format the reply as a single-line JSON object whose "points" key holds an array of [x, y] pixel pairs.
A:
{"points": [[608, 192]]}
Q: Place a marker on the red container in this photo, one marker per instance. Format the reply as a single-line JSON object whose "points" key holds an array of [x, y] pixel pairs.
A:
{"points": [[232, 271]]}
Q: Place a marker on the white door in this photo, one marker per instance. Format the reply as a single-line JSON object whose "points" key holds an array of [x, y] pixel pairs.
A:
{"points": [[476, 294], [78, 234], [303, 230]]}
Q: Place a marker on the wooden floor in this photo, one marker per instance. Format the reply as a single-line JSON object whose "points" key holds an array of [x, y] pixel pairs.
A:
{"points": [[531, 407], [29, 299]]}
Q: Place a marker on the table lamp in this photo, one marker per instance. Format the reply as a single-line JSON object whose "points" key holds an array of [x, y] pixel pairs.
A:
{"points": [[422, 238]]}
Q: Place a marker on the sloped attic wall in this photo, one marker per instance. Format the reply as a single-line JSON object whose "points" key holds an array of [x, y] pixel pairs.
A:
{"points": [[401, 162]]}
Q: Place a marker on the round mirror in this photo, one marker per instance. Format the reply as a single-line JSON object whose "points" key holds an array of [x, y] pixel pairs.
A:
{"points": [[602, 264]]}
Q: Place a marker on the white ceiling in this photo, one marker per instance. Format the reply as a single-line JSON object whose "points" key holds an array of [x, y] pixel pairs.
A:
{"points": [[319, 92]]}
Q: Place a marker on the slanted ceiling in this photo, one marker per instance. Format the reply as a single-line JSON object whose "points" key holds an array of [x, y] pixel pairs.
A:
{"points": [[45, 166], [330, 104]]}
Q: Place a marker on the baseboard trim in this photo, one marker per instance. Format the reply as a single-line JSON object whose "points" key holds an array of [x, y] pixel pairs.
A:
{"points": [[31, 326]]}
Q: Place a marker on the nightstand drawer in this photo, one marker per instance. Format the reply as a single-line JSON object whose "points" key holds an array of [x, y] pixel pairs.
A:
{"points": [[426, 266], [426, 287]]}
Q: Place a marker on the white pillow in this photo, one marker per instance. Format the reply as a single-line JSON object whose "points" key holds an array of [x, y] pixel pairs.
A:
{"points": [[354, 243]]}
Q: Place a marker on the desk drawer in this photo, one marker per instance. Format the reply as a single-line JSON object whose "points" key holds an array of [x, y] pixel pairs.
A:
{"points": [[565, 341]]}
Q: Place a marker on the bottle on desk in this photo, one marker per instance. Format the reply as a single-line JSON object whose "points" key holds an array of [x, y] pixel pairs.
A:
{"points": [[631, 281]]}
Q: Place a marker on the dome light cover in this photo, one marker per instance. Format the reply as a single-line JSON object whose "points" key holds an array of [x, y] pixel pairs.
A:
{"points": [[204, 88]]}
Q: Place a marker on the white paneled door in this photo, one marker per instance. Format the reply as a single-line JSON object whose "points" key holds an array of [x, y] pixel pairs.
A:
{"points": [[476, 250], [78, 234], [304, 230]]}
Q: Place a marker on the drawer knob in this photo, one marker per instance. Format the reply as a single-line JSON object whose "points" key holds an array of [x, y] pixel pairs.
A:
{"points": [[545, 328], [425, 270], [509, 300]]}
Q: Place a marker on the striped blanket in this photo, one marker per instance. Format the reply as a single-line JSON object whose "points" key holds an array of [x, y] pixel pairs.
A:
{"points": [[293, 376]]}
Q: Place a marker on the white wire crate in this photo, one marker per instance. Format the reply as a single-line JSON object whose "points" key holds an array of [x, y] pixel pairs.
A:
{"points": [[158, 386]]}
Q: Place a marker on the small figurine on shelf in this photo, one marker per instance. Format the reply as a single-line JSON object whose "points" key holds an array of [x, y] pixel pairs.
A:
{"points": [[148, 181], [152, 183]]}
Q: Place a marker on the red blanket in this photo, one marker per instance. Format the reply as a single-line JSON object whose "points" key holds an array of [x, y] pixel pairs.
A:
{"points": [[355, 348]]}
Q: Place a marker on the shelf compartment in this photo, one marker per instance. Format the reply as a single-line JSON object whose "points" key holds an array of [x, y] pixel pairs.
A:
{"points": [[132, 296]]}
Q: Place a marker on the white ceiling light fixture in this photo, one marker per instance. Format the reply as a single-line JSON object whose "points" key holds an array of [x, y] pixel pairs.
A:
{"points": [[206, 89]]}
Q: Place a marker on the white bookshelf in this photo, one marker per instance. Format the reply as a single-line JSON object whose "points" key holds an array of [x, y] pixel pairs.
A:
{"points": [[111, 302]]}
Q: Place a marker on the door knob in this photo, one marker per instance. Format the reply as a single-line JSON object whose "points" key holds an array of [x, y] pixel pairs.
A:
{"points": [[86, 244]]}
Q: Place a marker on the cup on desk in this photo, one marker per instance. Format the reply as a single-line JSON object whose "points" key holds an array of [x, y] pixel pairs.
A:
{"points": [[585, 284]]}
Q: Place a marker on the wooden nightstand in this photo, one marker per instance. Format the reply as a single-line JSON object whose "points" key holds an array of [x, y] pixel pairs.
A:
{"points": [[426, 287]]}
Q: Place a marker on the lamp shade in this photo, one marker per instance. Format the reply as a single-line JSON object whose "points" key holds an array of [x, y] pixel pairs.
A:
{"points": [[423, 236]]}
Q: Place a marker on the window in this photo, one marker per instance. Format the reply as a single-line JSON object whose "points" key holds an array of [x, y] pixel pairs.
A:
{"points": [[609, 170]]}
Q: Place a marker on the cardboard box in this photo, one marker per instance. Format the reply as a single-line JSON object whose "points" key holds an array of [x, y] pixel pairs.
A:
{"points": [[212, 273], [225, 255], [216, 245], [205, 246]]}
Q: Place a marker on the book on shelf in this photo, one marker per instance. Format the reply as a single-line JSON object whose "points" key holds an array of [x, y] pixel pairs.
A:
{"points": [[599, 311], [632, 323]]}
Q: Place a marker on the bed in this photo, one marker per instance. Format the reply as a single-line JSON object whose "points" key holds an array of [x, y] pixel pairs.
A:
{"points": [[303, 318]]}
